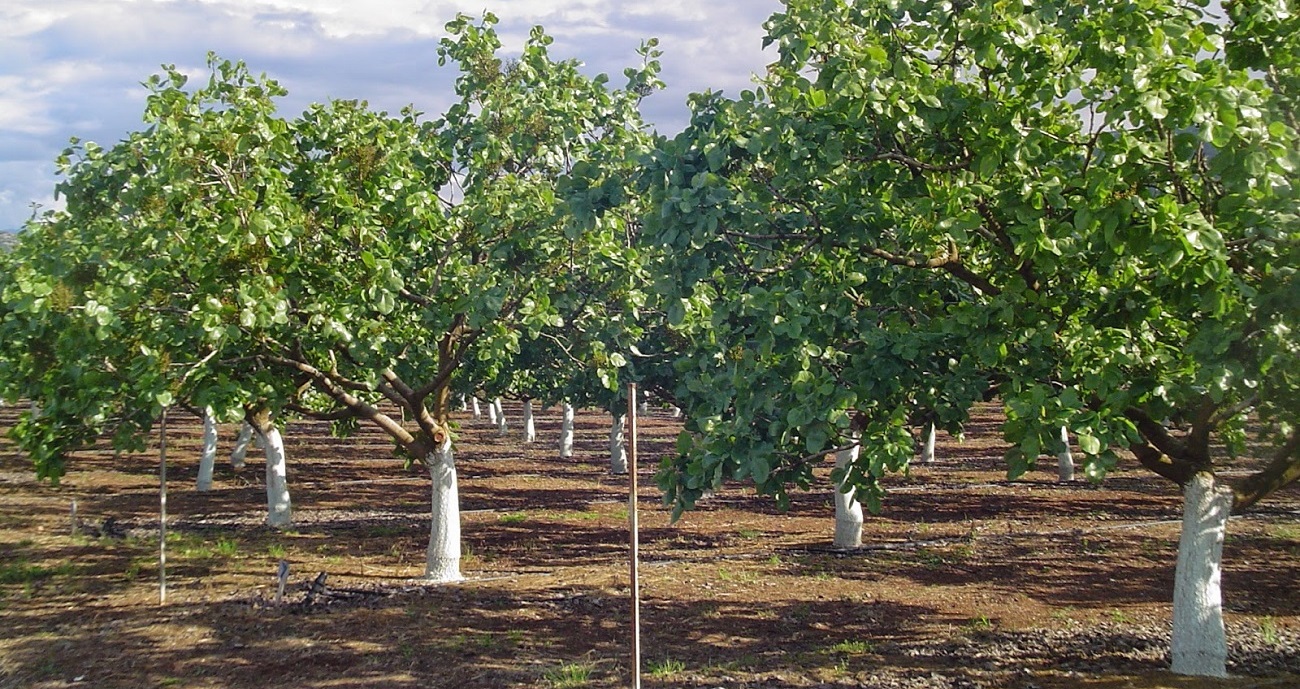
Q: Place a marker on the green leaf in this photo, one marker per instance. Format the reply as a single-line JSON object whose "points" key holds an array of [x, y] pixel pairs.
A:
{"points": [[1089, 444]]}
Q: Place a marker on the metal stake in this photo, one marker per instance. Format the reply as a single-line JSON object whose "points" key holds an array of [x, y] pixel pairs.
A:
{"points": [[635, 540], [162, 510]]}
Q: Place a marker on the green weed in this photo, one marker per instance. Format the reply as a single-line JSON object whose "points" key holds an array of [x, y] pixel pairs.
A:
{"points": [[568, 676], [23, 573], [515, 518], [1268, 629], [665, 668], [857, 647], [227, 547]]}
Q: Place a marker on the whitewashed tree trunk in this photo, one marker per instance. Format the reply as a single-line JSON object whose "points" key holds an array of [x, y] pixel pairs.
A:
{"points": [[208, 457], [675, 412], [617, 450], [1065, 460], [500, 414], [566, 432], [442, 562], [1199, 645], [848, 511], [530, 427], [473, 403], [279, 509], [927, 450], [492, 412], [464, 405], [240, 451]]}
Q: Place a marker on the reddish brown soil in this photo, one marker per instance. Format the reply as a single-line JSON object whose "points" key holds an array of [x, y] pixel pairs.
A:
{"points": [[967, 580]]}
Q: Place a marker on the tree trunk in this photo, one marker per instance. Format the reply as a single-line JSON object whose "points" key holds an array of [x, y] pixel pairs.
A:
{"points": [[1065, 460], [241, 446], [500, 413], [208, 458], [848, 512], [1199, 645], [492, 412], [617, 450], [530, 428], [927, 450], [473, 402], [279, 509], [566, 432], [442, 562], [675, 412]]}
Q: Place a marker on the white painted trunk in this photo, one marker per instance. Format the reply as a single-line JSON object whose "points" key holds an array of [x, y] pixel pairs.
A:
{"points": [[848, 511], [464, 405], [442, 562], [473, 404], [566, 432], [530, 427], [240, 451], [617, 450], [208, 457], [1065, 460], [500, 415], [1199, 645], [675, 412], [927, 449], [492, 412], [279, 509]]}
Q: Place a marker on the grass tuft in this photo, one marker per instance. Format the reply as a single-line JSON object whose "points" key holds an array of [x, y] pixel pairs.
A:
{"points": [[568, 676]]}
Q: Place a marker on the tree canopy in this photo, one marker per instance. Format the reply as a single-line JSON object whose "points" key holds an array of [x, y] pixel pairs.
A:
{"points": [[329, 264], [1087, 210]]}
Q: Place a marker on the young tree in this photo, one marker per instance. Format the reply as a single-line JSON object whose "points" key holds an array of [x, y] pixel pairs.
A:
{"points": [[1085, 210]]}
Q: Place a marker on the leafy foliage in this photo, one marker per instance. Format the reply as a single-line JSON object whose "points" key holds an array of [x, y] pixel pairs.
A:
{"points": [[1085, 209], [329, 265]]}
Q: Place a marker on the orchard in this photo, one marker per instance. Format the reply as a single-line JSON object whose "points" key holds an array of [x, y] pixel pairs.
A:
{"points": [[1022, 234]]}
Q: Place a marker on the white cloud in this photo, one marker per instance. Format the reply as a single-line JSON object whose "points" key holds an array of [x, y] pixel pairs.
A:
{"points": [[74, 67]]}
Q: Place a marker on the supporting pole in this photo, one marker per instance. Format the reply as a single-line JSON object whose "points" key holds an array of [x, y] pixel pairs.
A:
{"points": [[162, 510], [635, 540]]}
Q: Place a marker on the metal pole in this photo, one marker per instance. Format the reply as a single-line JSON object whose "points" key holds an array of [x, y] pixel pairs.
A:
{"points": [[635, 540], [162, 510]]}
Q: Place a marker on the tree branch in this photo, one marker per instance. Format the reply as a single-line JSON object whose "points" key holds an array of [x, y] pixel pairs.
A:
{"points": [[358, 407], [1281, 472], [949, 262]]}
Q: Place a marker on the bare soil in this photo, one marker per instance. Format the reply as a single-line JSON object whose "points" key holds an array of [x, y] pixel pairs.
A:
{"points": [[967, 580]]}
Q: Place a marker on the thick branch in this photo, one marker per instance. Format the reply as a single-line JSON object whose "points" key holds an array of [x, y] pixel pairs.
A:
{"points": [[1162, 465], [359, 407], [1158, 436], [1280, 473]]}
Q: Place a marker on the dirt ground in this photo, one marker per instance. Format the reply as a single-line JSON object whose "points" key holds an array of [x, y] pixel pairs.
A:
{"points": [[966, 580]]}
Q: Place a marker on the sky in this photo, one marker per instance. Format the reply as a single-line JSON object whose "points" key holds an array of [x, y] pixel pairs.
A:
{"points": [[73, 68]]}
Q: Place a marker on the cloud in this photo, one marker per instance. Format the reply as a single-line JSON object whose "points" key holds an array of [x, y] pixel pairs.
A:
{"points": [[74, 67]]}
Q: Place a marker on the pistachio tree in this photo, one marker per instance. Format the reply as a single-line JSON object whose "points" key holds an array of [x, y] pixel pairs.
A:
{"points": [[340, 264], [1084, 210]]}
